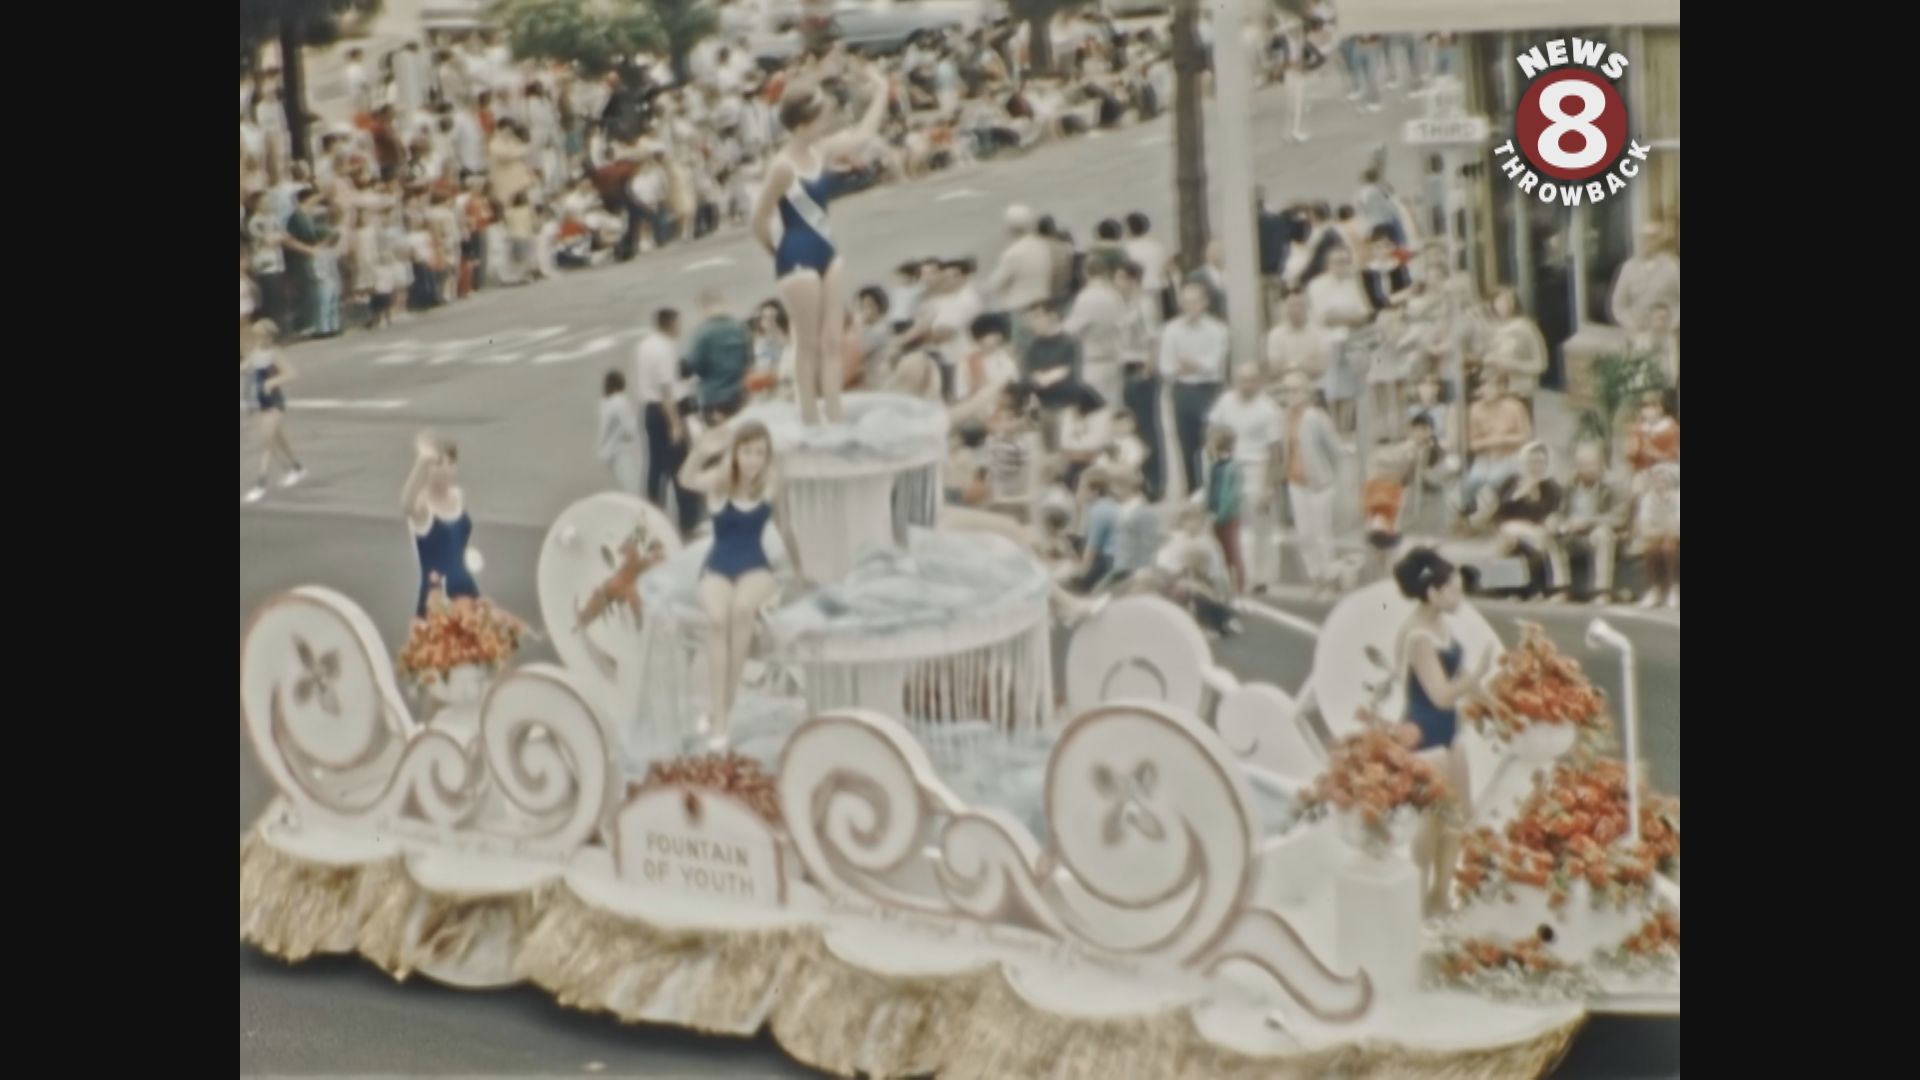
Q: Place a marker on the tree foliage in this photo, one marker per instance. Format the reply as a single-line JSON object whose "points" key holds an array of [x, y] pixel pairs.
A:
{"points": [[317, 22], [1039, 16], [596, 35]]}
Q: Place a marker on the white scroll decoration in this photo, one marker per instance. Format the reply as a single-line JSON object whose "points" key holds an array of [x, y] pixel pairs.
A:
{"points": [[1262, 725], [1356, 659], [1141, 648], [328, 724], [1150, 851]]}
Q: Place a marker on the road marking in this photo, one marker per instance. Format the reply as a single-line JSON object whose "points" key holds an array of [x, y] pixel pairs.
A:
{"points": [[504, 348], [1284, 618], [713, 263], [958, 193], [597, 345], [1152, 140], [347, 403]]}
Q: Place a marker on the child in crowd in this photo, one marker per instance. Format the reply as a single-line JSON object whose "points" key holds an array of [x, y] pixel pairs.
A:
{"points": [[1656, 526], [1221, 498], [1136, 529], [1380, 502], [1655, 439], [966, 476], [621, 445], [1126, 450], [1102, 516], [1196, 571]]}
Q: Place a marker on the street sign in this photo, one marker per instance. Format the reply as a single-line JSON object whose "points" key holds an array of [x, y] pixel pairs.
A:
{"points": [[1449, 131]]}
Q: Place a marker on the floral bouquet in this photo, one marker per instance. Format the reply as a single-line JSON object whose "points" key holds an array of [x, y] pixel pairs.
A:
{"points": [[1520, 969], [727, 774], [456, 633], [1534, 684], [1572, 829], [1653, 947], [1379, 783]]}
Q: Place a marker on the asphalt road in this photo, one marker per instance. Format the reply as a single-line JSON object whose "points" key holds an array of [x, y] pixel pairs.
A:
{"points": [[514, 377]]}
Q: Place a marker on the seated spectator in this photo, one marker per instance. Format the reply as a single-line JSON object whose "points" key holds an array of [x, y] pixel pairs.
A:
{"points": [[1596, 517], [1195, 572], [985, 373], [1008, 457], [1102, 517], [1428, 470], [1086, 432], [875, 336], [967, 471], [1656, 528], [1497, 427], [1527, 509], [1051, 363], [1136, 528], [1653, 440]]}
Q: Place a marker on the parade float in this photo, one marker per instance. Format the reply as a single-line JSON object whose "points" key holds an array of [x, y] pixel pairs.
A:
{"points": [[917, 857]]}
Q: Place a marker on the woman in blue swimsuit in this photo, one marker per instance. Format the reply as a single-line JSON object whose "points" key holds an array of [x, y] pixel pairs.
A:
{"points": [[733, 467], [1437, 683], [436, 512], [268, 371], [811, 274]]}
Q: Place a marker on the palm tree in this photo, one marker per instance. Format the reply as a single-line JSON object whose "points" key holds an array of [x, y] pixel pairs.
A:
{"points": [[296, 24], [1189, 134]]}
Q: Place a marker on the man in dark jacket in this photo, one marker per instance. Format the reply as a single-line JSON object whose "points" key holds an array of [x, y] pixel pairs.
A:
{"points": [[719, 359]]}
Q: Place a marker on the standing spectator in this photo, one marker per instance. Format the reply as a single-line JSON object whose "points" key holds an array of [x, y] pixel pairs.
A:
{"points": [[305, 233], [1193, 356], [987, 371], [1025, 274], [324, 266], [1294, 344], [1061, 254], [1310, 457], [1528, 508], [1339, 303], [1497, 427], [1223, 498], [1140, 377], [1656, 525], [1516, 347], [1110, 242], [904, 300], [507, 155], [1052, 363], [1374, 203], [1651, 276], [1191, 560], [359, 85], [469, 139], [1596, 517], [1099, 318], [1426, 510], [1151, 256], [1213, 275], [620, 446], [658, 391], [719, 360], [1257, 427], [1660, 341], [269, 258]]}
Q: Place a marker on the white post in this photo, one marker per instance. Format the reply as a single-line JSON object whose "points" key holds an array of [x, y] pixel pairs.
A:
{"points": [[1234, 221], [1600, 633]]}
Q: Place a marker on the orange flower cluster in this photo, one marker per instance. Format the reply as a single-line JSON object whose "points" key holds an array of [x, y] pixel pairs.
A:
{"points": [[1473, 956], [729, 774], [1659, 934], [1572, 829], [1375, 774], [1534, 684], [455, 633]]}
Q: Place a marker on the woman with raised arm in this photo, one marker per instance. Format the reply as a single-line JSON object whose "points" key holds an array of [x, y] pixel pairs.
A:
{"points": [[810, 272], [436, 511], [733, 467]]}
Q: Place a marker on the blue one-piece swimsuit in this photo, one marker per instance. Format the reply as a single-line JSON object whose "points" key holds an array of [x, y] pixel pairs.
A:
{"points": [[269, 400], [1437, 725], [736, 541], [805, 241], [443, 551]]}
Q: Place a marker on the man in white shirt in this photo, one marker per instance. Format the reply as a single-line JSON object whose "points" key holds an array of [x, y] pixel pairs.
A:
{"points": [[1099, 318], [658, 389], [1025, 274], [359, 86], [1193, 356], [1295, 344], [1152, 257], [1651, 277], [469, 140], [1257, 426]]}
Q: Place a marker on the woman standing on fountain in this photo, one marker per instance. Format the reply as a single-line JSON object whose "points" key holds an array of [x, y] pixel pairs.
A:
{"points": [[810, 273], [734, 468], [436, 512], [1436, 685]]}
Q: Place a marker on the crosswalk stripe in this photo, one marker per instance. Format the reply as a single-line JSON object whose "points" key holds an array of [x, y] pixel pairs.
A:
{"points": [[347, 403]]}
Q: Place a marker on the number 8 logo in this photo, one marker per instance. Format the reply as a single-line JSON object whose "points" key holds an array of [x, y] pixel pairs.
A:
{"points": [[1571, 124], [1593, 105]]}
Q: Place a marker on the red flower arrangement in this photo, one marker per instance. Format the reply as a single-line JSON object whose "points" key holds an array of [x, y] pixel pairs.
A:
{"points": [[1571, 830], [728, 774], [1375, 776], [1535, 684], [457, 633], [1473, 956]]}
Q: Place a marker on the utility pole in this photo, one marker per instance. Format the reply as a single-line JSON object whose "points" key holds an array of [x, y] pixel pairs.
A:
{"points": [[1239, 229]]}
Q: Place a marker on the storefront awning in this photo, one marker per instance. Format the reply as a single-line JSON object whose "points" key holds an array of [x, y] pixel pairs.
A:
{"points": [[1471, 16]]}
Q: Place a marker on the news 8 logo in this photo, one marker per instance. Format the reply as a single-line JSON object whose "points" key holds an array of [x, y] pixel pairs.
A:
{"points": [[1571, 125]]}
